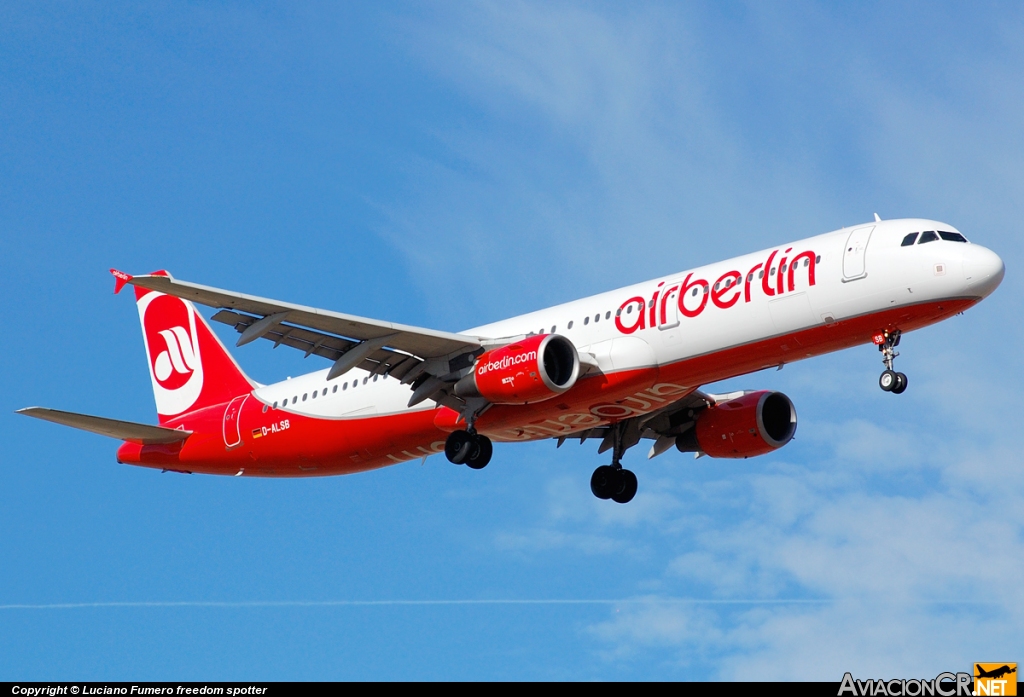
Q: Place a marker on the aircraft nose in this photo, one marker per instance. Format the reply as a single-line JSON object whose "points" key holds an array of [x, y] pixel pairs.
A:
{"points": [[983, 270]]}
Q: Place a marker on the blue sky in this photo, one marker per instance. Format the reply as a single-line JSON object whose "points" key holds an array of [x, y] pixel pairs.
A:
{"points": [[447, 165]]}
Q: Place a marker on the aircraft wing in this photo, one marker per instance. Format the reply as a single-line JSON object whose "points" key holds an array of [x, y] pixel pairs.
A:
{"points": [[405, 352], [143, 434], [667, 422], [662, 426]]}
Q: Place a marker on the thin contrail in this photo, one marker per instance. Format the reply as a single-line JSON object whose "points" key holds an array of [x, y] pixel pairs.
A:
{"points": [[385, 603]]}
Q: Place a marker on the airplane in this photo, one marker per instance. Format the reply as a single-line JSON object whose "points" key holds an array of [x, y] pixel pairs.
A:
{"points": [[995, 673], [620, 367]]}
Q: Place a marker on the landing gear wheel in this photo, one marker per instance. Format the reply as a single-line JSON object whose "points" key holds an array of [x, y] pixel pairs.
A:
{"points": [[606, 482], [628, 490], [458, 446], [479, 453], [888, 380], [901, 384]]}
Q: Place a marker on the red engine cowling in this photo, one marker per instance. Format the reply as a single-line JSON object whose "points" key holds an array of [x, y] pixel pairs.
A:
{"points": [[537, 368], [754, 424]]}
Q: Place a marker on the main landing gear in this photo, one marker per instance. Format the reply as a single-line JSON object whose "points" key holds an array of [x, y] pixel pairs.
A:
{"points": [[468, 448], [612, 481], [890, 380]]}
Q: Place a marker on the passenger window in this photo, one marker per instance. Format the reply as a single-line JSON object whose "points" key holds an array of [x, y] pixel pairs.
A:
{"points": [[618, 313], [597, 317], [275, 405], [375, 378], [295, 399], [772, 272], [817, 259], [586, 320], [365, 380], [334, 389], [570, 324], [760, 274], [304, 395], [553, 328], [782, 269], [927, 237], [607, 315], [807, 262], [265, 407], [315, 393], [952, 236], [909, 239]]}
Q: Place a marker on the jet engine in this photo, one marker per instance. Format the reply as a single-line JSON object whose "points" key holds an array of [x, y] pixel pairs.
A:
{"points": [[531, 370], [754, 424]]}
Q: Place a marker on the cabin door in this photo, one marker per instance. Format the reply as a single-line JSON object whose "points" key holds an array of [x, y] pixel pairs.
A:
{"points": [[853, 255], [232, 419]]}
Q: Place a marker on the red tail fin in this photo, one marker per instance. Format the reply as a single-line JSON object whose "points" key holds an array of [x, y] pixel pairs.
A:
{"points": [[188, 364]]}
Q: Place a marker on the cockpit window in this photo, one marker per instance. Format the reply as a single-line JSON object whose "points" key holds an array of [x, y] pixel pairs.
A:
{"points": [[909, 239], [928, 237], [952, 236]]}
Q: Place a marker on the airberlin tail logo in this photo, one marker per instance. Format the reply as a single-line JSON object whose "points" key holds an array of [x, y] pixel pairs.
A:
{"points": [[172, 347], [177, 361]]}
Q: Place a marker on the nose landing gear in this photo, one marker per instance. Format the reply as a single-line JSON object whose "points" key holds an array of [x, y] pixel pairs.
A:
{"points": [[890, 380]]}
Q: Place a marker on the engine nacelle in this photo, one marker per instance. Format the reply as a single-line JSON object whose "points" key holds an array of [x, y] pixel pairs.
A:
{"points": [[537, 368], [754, 424]]}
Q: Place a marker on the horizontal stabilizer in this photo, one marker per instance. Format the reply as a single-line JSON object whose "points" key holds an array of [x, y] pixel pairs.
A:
{"points": [[142, 434]]}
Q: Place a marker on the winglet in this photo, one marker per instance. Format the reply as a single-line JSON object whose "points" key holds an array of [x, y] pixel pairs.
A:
{"points": [[120, 279]]}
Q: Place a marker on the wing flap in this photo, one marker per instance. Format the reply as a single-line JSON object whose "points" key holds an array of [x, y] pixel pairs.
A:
{"points": [[142, 434]]}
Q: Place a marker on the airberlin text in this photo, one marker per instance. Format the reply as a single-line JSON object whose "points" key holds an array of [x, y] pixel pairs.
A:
{"points": [[943, 685], [506, 362], [641, 402], [690, 297]]}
